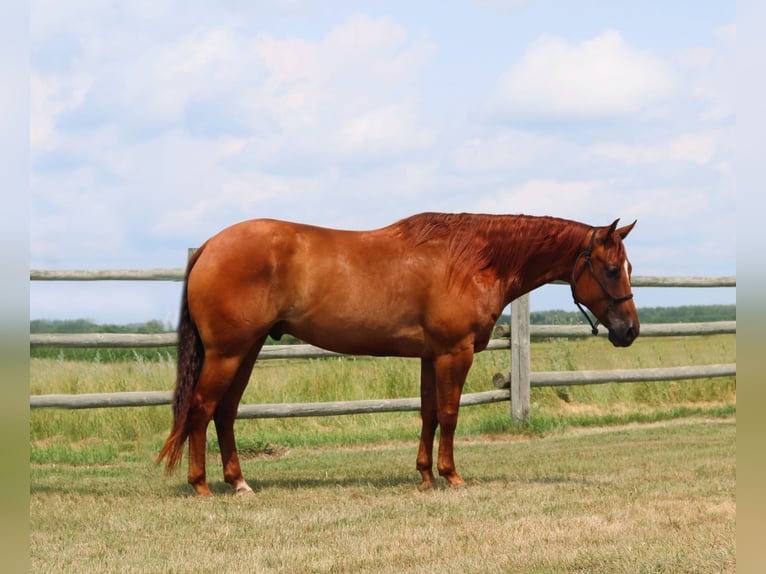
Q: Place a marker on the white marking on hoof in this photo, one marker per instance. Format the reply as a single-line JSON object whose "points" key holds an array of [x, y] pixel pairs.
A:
{"points": [[242, 488]]}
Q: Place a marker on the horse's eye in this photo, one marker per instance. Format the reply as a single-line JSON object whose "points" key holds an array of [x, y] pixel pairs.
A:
{"points": [[613, 271]]}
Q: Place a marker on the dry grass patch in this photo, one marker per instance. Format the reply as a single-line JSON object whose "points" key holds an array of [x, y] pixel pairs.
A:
{"points": [[656, 498]]}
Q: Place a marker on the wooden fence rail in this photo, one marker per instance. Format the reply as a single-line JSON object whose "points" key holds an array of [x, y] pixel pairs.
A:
{"points": [[520, 379], [256, 411], [500, 380], [177, 274], [133, 340]]}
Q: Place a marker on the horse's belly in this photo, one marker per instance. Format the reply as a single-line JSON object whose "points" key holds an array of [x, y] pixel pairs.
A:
{"points": [[360, 337]]}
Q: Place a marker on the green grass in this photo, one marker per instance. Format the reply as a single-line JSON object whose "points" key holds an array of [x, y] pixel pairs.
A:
{"points": [[110, 435], [617, 478], [653, 498]]}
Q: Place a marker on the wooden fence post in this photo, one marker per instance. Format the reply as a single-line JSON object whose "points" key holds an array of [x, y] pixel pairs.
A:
{"points": [[520, 366]]}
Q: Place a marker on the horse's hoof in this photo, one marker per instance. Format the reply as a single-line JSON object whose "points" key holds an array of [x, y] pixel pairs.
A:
{"points": [[242, 488], [203, 492], [460, 487], [425, 486]]}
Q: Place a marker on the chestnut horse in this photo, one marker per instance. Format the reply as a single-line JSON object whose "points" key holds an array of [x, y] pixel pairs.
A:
{"points": [[429, 286]]}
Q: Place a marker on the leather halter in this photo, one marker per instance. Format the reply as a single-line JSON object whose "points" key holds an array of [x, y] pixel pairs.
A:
{"points": [[576, 275]]}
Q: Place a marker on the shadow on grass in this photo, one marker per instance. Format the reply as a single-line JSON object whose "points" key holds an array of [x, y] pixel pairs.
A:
{"points": [[113, 481], [220, 488], [319, 483]]}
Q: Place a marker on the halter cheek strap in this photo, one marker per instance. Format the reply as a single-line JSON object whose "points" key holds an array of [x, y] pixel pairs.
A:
{"points": [[576, 275]]}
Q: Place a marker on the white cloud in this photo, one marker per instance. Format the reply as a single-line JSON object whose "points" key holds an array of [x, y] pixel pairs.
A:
{"points": [[667, 211], [155, 124], [50, 96], [357, 90], [697, 148], [600, 77], [183, 133], [167, 78], [388, 130], [94, 231], [711, 75], [504, 150], [236, 197], [577, 200], [676, 209]]}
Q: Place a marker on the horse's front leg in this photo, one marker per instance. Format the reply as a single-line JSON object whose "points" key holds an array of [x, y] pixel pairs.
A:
{"points": [[451, 371], [428, 414]]}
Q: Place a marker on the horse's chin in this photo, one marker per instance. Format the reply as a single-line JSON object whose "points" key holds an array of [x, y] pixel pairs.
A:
{"points": [[621, 339]]}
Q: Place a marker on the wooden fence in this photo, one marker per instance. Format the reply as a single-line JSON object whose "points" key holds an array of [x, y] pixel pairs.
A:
{"points": [[514, 386]]}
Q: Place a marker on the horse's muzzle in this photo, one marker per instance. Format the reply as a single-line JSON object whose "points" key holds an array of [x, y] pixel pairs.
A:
{"points": [[623, 334]]}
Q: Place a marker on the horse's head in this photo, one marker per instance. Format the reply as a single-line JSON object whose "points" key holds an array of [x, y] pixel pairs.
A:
{"points": [[601, 281]]}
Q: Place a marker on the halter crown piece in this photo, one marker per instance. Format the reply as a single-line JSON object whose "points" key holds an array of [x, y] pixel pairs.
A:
{"points": [[585, 255]]}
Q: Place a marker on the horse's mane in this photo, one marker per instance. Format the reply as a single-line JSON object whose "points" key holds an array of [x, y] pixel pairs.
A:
{"points": [[503, 242]]}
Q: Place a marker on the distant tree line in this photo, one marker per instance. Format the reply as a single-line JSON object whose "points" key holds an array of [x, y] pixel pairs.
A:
{"points": [[88, 326], [682, 314], [688, 314]]}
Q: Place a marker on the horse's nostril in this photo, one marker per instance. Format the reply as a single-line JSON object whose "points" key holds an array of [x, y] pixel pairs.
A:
{"points": [[630, 333]]}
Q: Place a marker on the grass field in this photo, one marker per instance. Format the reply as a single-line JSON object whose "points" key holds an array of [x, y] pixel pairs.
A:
{"points": [[650, 498], [583, 488], [103, 436]]}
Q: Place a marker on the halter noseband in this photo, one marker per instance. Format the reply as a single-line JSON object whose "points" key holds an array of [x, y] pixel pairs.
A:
{"points": [[575, 276]]}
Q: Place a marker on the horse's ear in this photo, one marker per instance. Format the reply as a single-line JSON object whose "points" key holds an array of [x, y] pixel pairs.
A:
{"points": [[623, 231], [611, 228]]}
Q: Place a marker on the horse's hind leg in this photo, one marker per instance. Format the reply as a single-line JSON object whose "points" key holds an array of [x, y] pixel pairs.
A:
{"points": [[217, 376], [224, 417]]}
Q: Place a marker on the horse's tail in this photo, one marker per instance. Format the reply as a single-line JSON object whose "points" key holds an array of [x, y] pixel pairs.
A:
{"points": [[191, 356]]}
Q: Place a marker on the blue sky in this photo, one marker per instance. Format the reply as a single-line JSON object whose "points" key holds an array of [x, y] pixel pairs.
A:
{"points": [[154, 124]]}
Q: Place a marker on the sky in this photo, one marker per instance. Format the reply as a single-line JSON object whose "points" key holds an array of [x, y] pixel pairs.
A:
{"points": [[155, 124]]}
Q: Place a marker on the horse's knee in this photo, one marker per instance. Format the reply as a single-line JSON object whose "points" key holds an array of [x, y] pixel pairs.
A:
{"points": [[424, 460], [448, 421]]}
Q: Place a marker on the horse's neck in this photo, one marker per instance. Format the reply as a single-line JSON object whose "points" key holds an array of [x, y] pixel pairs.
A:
{"points": [[545, 255]]}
